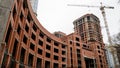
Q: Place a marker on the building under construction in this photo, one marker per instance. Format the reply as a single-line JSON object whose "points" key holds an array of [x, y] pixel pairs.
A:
{"points": [[25, 43]]}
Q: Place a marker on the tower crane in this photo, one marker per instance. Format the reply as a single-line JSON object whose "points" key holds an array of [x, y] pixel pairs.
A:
{"points": [[102, 8]]}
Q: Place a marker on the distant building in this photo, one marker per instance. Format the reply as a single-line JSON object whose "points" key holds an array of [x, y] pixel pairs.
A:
{"points": [[59, 34], [34, 4], [118, 54], [113, 62], [109, 57]]}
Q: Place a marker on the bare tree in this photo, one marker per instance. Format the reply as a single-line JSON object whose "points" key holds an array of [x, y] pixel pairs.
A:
{"points": [[116, 39]]}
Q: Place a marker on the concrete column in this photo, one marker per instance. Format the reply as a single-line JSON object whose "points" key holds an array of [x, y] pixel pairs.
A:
{"points": [[83, 62], [44, 45], [68, 56], [52, 51]]}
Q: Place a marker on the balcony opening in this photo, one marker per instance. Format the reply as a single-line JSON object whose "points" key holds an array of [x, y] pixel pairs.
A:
{"points": [[26, 28], [83, 20], [71, 63], [34, 27], [15, 48], [12, 63], [64, 66], [47, 64], [18, 1], [39, 63], [40, 51], [5, 58], [79, 64], [77, 39], [63, 52], [101, 66], [18, 30], [48, 40], [32, 46], [78, 57], [98, 51], [100, 61], [88, 18], [22, 56], [82, 37], [56, 44], [30, 60], [63, 46], [78, 51], [25, 4], [77, 44], [29, 18], [55, 65], [63, 59], [70, 42], [8, 35], [14, 13], [99, 56], [84, 45], [47, 55], [56, 57], [40, 43], [71, 51], [98, 47], [80, 21], [21, 16], [21, 66], [25, 39], [48, 47], [33, 37], [41, 34], [56, 50]]}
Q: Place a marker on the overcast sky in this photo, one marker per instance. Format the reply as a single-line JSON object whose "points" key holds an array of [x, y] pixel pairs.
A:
{"points": [[55, 15]]}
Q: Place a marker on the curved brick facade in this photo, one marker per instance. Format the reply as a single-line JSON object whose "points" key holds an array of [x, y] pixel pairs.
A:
{"points": [[29, 45]]}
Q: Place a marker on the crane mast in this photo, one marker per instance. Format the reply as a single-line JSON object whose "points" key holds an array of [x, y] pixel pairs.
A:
{"points": [[108, 34], [106, 25]]}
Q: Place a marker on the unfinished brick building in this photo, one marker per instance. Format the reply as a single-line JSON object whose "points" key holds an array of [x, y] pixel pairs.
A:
{"points": [[25, 43]]}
